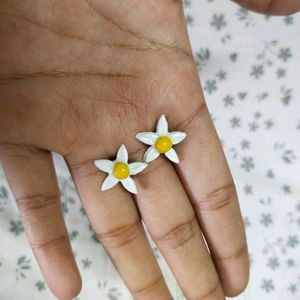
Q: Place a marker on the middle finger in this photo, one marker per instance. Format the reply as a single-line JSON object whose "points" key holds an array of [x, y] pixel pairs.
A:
{"points": [[115, 219]]}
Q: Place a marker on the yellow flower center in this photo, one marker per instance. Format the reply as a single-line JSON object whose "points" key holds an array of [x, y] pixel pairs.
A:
{"points": [[163, 144], [121, 170]]}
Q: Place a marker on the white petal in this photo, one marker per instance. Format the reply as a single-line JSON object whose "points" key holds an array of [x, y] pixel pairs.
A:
{"points": [[172, 155], [177, 136], [122, 154], [109, 182], [148, 138], [137, 167], [129, 185], [150, 154], [104, 165], [162, 125]]}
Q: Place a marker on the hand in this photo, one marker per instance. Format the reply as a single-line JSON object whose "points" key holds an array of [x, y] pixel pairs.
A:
{"points": [[82, 77], [273, 7]]}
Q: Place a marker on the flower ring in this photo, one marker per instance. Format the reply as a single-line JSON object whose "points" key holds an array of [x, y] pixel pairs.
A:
{"points": [[120, 170], [161, 141]]}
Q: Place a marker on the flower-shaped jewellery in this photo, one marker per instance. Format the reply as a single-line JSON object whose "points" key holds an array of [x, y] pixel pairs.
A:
{"points": [[161, 141], [120, 170]]}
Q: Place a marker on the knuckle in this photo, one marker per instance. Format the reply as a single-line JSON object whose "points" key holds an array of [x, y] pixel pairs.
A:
{"points": [[119, 236], [83, 168], [211, 293], [150, 287], [53, 242], [195, 115], [22, 152], [218, 199], [180, 234], [242, 250], [35, 202]]}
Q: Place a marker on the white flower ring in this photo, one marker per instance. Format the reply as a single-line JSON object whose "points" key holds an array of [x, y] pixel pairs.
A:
{"points": [[161, 141], [120, 170]]}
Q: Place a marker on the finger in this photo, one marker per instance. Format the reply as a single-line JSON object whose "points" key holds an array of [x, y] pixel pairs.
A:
{"points": [[170, 219], [117, 224], [272, 7], [208, 182], [31, 175]]}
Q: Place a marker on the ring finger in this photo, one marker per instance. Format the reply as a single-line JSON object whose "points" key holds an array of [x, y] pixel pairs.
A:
{"points": [[171, 221]]}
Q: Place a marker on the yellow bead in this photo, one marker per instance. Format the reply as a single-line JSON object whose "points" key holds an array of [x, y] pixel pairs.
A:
{"points": [[121, 170], [163, 144]]}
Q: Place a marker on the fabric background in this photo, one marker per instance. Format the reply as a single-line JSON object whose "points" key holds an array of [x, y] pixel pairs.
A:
{"points": [[250, 71]]}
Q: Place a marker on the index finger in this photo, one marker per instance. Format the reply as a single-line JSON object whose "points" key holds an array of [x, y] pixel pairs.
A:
{"points": [[31, 175]]}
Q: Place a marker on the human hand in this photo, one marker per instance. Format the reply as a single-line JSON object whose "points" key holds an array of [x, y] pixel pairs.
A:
{"points": [[82, 77], [272, 7]]}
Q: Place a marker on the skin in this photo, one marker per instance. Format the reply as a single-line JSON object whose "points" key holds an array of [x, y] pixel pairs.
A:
{"points": [[82, 77], [273, 7]]}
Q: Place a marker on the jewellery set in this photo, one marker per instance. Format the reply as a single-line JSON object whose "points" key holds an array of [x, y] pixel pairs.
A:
{"points": [[160, 142]]}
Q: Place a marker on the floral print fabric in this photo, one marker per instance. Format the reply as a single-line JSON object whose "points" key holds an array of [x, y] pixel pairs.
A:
{"points": [[250, 69]]}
